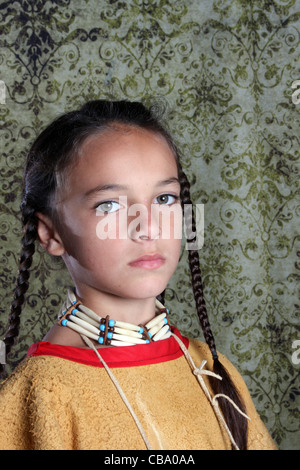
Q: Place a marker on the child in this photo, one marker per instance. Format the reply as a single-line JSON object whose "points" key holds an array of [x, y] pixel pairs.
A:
{"points": [[100, 183]]}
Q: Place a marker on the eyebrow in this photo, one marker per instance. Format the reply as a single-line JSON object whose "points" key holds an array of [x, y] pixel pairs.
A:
{"points": [[122, 187]]}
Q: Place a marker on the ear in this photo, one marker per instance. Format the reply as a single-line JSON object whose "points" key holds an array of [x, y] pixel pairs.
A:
{"points": [[48, 235]]}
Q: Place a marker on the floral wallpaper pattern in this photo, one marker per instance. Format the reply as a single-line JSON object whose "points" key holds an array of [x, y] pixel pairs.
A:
{"points": [[222, 71]]}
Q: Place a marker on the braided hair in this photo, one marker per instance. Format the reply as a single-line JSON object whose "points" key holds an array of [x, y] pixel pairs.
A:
{"points": [[237, 424], [29, 221], [51, 154]]}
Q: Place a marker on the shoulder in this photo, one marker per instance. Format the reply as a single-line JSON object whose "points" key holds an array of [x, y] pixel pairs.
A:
{"points": [[200, 349], [34, 374], [258, 435], [201, 352], [33, 404], [26, 374]]}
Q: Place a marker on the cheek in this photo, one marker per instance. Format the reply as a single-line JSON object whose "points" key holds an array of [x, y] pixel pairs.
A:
{"points": [[176, 223], [108, 227], [172, 249], [104, 254], [96, 260], [176, 245], [78, 233], [169, 220]]}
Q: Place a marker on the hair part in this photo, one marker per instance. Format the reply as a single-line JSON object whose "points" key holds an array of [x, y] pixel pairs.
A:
{"points": [[51, 155]]}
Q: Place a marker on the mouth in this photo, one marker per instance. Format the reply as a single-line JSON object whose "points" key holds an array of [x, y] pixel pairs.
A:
{"points": [[154, 261]]}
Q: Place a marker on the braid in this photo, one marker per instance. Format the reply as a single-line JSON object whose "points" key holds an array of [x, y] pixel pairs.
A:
{"points": [[194, 263], [199, 299], [29, 222], [236, 423]]}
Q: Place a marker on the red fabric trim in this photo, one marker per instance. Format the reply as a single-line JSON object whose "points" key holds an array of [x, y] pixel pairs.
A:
{"points": [[123, 356]]}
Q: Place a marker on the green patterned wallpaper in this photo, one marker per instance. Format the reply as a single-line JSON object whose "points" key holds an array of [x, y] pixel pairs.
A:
{"points": [[223, 71]]}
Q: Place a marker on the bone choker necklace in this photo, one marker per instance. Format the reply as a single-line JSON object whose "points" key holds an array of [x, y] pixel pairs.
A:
{"points": [[110, 332]]}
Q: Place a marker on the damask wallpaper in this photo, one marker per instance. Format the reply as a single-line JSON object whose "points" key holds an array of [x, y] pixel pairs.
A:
{"points": [[223, 71]]}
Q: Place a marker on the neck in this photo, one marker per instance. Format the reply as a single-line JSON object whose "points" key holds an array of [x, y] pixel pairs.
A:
{"points": [[138, 311]]}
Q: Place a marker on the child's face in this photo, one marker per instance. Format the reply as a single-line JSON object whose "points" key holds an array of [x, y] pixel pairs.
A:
{"points": [[103, 235]]}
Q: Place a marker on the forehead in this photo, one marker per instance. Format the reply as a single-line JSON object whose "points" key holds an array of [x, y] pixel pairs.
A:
{"points": [[126, 150], [126, 156]]}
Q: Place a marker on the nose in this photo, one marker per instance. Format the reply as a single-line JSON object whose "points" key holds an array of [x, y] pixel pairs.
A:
{"points": [[143, 225]]}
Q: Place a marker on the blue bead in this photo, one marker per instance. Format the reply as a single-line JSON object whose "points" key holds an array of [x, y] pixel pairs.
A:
{"points": [[165, 321], [64, 322], [150, 335], [100, 340], [102, 327], [111, 323], [74, 311], [109, 335], [147, 341], [140, 330]]}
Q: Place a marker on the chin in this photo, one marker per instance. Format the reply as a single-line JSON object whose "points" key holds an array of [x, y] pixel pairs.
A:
{"points": [[146, 291]]}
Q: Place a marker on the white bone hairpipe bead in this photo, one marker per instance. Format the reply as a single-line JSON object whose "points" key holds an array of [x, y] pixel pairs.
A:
{"points": [[113, 332]]}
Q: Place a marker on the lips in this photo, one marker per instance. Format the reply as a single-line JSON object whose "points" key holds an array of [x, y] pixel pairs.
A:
{"points": [[153, 261]]}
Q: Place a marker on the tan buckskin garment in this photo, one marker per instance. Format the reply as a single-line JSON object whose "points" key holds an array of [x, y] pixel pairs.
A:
{"points": [[68, 403]]}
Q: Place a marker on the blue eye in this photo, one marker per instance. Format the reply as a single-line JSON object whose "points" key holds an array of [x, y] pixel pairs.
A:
{"points": [[166, 199], [108, 206]]}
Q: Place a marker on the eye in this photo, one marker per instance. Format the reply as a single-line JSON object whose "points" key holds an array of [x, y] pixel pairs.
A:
{"points": [[108, 206], [166, 199]]}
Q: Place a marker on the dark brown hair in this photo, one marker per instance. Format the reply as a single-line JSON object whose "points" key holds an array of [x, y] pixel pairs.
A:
{"points": [[52, 153]]}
